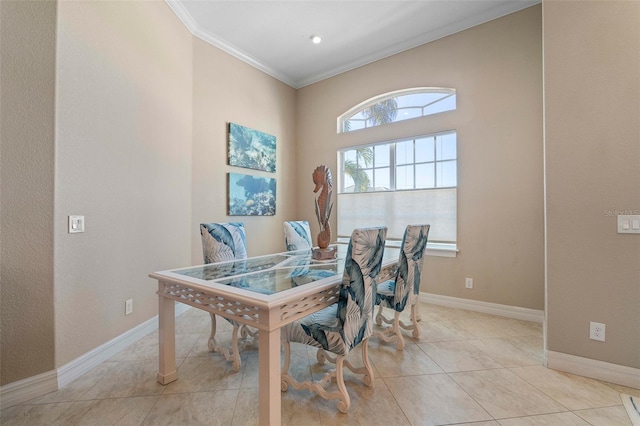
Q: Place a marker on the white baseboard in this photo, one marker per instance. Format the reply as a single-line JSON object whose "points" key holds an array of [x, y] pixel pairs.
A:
{"points": [[606, 371], [514, 312], [36, 386], [29, 388], [76, 368]]}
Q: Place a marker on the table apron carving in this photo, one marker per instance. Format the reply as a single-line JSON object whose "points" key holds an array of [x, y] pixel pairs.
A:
{"points": [[246, 313]]}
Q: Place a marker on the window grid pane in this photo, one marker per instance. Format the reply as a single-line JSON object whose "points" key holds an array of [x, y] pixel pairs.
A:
{"points": [[404, 177], [446, 174], [426, 162], [381, 155], [404, 152], [425, 176], [382, 179], [425, 150]]}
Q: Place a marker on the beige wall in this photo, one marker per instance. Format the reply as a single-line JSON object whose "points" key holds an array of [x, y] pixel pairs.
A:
{"points": [[225, 90], [592, 139], [123, 160], [496, 69], [27, 96], [140, 109]]}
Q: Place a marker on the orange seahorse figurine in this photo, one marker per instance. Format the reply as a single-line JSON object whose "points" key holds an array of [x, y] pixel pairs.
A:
{"points": [[322, 178]]}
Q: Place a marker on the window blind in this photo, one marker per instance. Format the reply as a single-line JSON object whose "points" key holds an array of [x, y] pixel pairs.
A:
{"points": [[397, 209]]}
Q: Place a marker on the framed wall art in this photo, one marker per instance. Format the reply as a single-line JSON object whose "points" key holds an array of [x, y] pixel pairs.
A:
{"points": [[251, 149], [251, 195]]}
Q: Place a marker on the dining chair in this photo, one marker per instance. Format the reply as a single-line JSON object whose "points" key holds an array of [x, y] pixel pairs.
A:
{"points": [[404, 290], [345, 325], [224, 242], [297, 235]]}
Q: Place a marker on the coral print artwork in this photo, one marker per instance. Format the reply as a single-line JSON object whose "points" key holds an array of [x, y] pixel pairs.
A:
{"points": [[251, 195], [251, 149]]}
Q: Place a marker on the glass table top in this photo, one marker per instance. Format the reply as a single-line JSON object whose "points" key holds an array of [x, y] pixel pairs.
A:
{"points": [[274, 273], [214, 271], [274, 280]]}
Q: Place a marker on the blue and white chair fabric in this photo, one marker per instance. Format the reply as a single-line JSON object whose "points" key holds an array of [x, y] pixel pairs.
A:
{"points": [[405, 289], [297, 235], [225, 242], [343, 326]]}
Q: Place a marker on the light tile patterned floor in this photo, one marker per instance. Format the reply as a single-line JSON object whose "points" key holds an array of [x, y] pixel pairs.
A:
{"points": [[465, 368]]}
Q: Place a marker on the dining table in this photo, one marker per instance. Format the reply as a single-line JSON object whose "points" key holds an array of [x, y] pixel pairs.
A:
{"points": [[265, 292]]}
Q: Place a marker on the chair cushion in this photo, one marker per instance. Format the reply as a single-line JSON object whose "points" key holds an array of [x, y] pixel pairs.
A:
{"points": [[320, 329], [386, 294]]}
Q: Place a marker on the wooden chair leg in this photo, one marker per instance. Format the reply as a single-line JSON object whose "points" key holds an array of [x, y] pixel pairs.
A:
{"points": [[235, 351], [344, 401], [246, 332], [397, 332], [415, 317], [416, 314], [318, 386], [213, 347], [234, 354], [391, 334], [285, 368], [379, 316], [413, 327], [368, 377], [341, 394]]}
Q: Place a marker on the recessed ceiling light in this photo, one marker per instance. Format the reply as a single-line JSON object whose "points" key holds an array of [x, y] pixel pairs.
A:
{"points": [[315, 39]]}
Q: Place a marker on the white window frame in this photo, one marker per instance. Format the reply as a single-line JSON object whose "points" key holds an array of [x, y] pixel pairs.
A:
{"points": [[436, 194], [393, 163], [348, 115]]}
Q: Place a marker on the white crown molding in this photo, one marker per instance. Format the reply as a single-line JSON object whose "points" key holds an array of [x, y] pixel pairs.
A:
{"points": [[498, 11], [600, 370], [489, 15], [515, 312], [50, 381], [197, 31]]}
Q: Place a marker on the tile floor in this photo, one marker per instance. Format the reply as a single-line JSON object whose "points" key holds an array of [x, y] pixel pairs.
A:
{"points": [[466, 368]]}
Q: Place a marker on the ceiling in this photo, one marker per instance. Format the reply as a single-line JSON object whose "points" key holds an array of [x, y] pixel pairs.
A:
{"points": [[273, 36]]}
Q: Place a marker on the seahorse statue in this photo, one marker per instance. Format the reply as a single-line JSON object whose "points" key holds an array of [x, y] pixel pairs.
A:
{"points": [[322, 178]]}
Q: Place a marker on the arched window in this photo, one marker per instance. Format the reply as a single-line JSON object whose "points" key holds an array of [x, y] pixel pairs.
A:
{"points": [[404, 180], [397, 106]]}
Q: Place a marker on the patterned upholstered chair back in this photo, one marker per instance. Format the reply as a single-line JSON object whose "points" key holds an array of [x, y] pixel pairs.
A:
{"points": [[405, 289], [362, 266], [223, 241], [342, 326], [414, 243], [353, 320], [297, 235]]}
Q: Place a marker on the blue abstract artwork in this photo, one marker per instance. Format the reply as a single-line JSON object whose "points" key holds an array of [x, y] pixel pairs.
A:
{"points": [[251, 149], [251, 195]]}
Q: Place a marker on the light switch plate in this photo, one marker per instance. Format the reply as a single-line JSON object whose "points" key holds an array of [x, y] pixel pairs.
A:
{"points": [[76, 224], [628, 224]]}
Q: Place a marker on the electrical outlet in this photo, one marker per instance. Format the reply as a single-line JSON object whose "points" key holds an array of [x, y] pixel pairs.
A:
{"points": [[128, 306], [596, 331], [468, 282]]}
